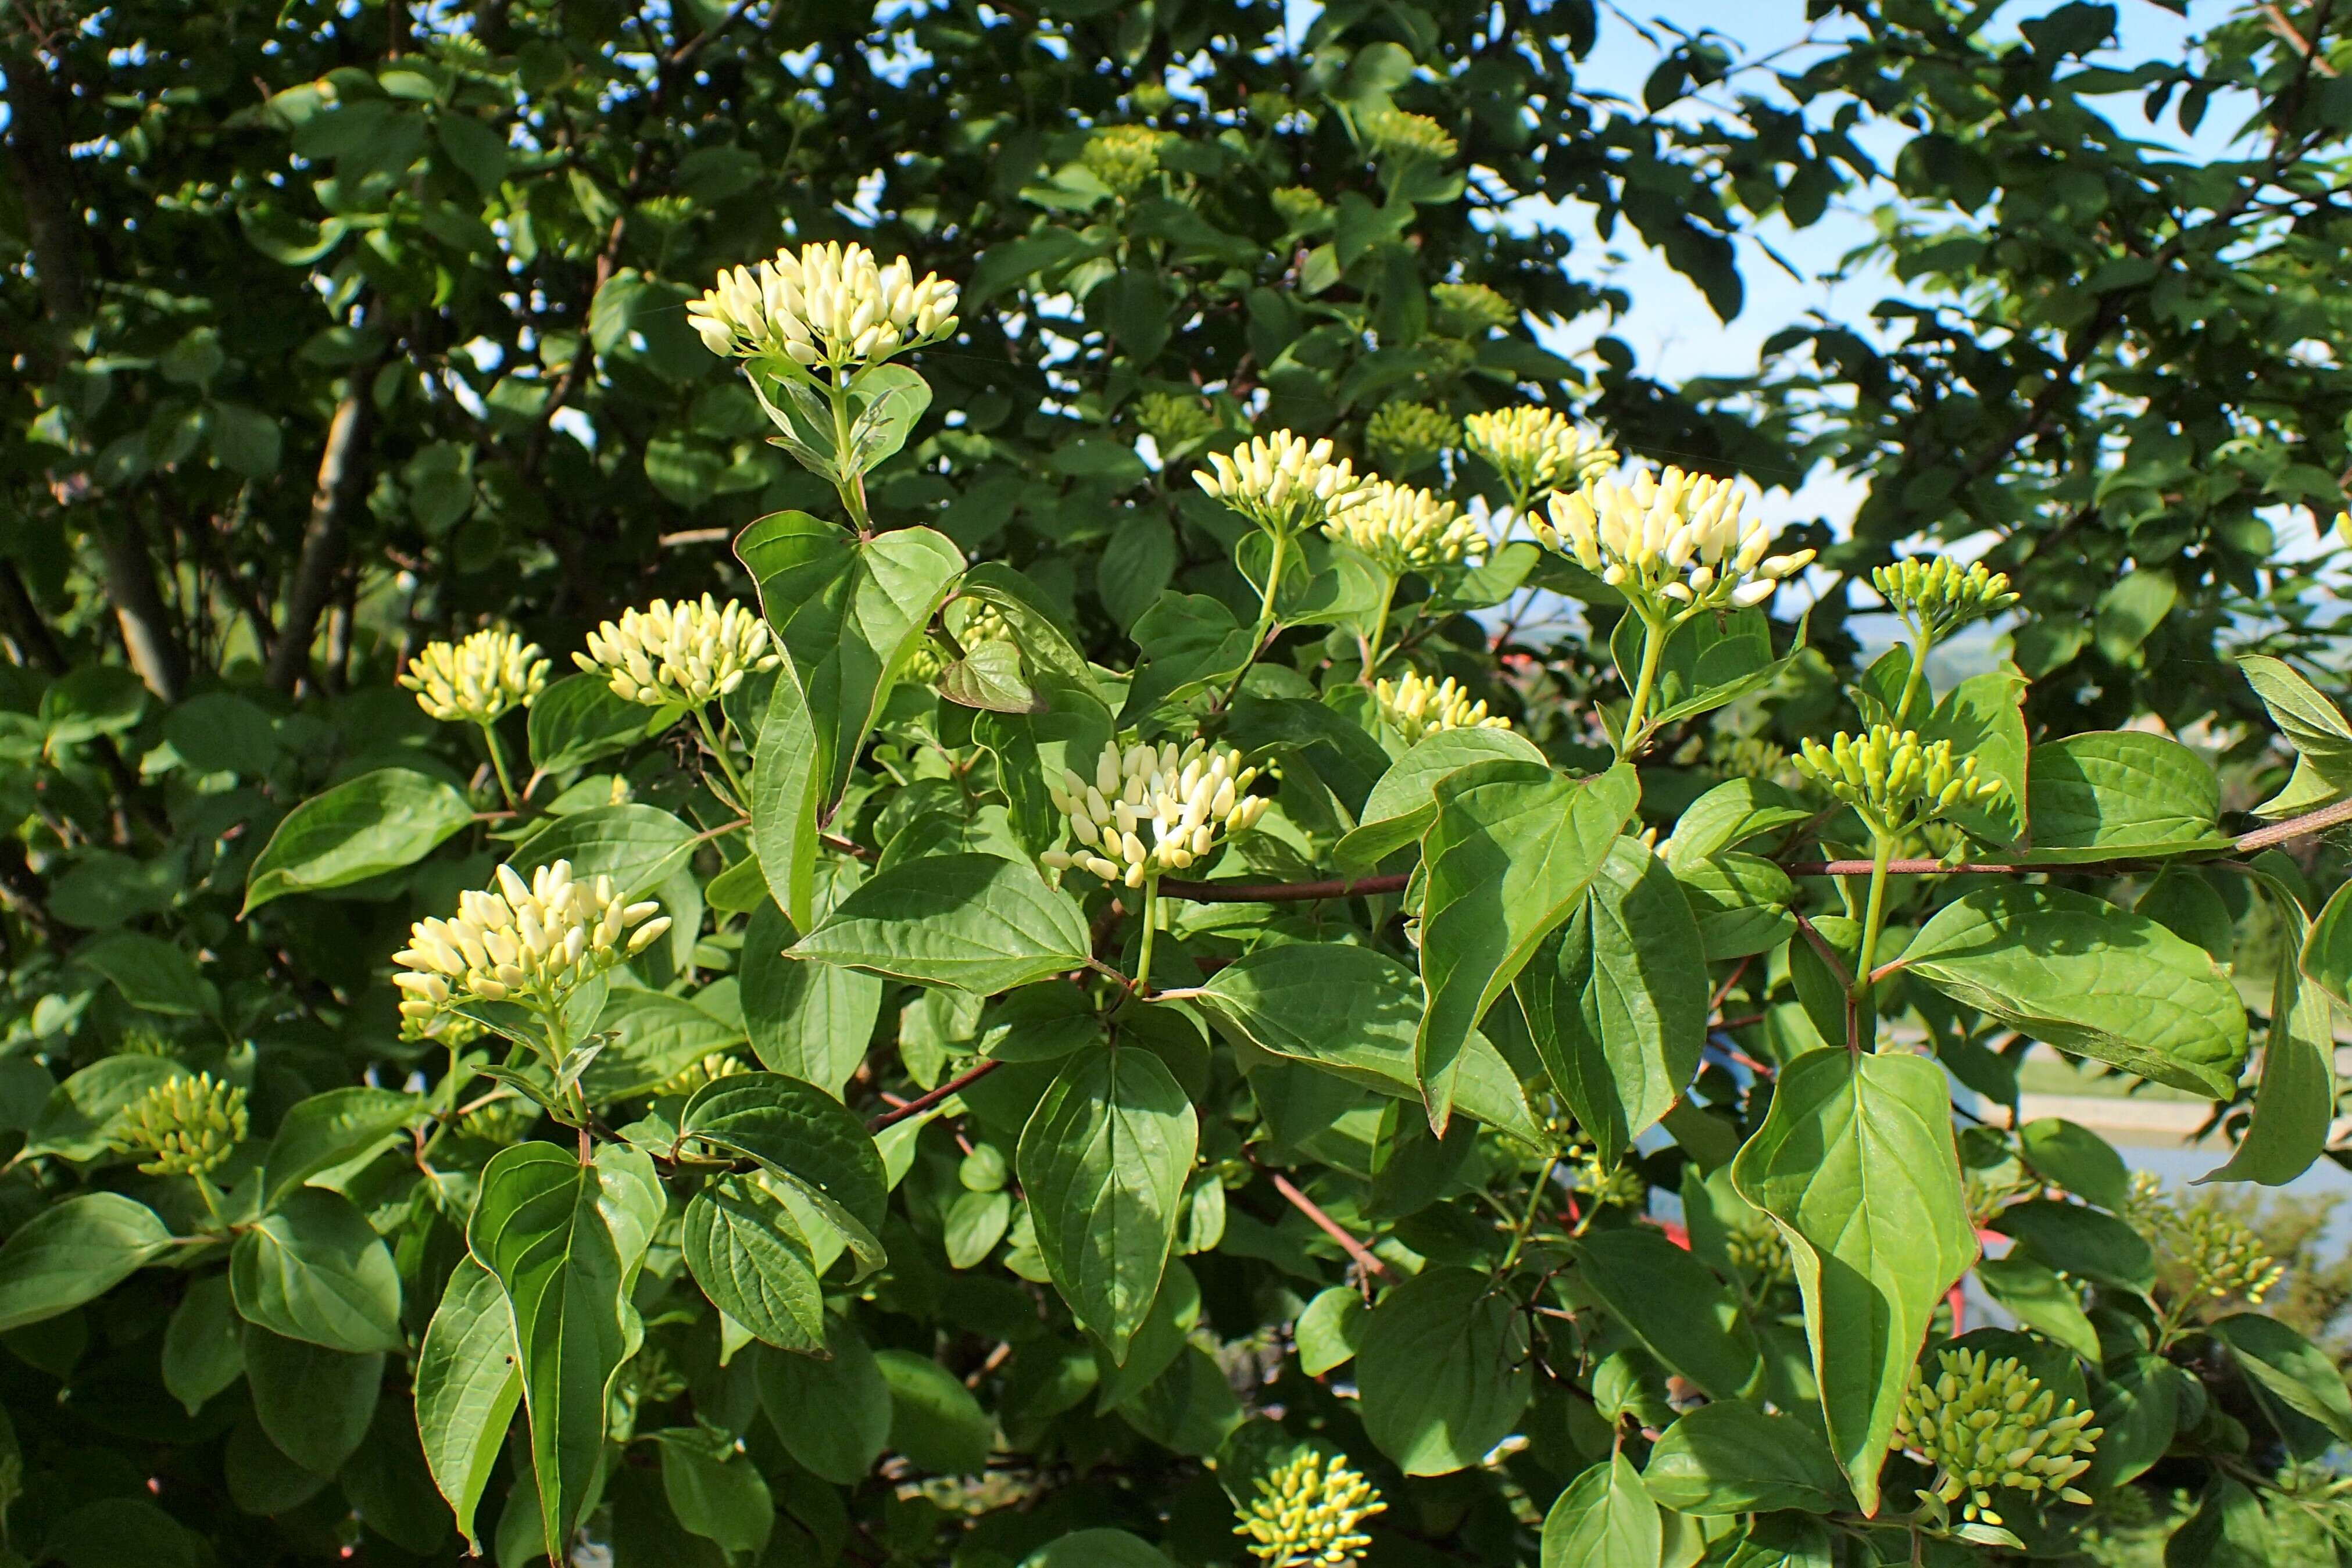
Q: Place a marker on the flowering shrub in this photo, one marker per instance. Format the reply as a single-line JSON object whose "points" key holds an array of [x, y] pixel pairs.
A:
{"points": [[922, 1064]]}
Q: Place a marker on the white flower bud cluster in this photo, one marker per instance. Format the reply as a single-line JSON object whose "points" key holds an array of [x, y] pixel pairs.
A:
{"points": [[1538, 448], [520, 942], [1308, 1515], [1417, 706], [1672, 537], [831, 305], [1986, 1424], [691, 651], [1153, 808], [476, 680], [1283, 482], [1894, 775], [1407, 528]]}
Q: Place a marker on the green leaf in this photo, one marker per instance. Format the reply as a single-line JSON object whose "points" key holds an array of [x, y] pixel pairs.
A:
{"points": [[1097, 1549], [989, 676], [2311, 723], [1354, 1013], [716, 1493], [2033, 1293], [812, 1141], [1104, 1159], [1741, 902], [2077, 1159], [810, 1021], [1728, 816], [581, 719], [1856, 1164], [79, 1119], [974, 921], [2130, 610], [2295, 1103], [1399, 809], [313, 1268], [786, 785], [2229, 1530], [311, 1400], [754, 1263], [376, 824], [2326, 955], [639, 847], [1038, 627], [1730, 1458], [653, 1037], [1443, 1367], [1604, 1520], [1708, 662], [201, 1349], [1330, 1331], [2088, 977], [75, 1251], [847, 1391], [2115, 794], [934, 1419], [1983, 719], [467, 1386], [1507, 858], [847, 612], [1185, 642], [1616, 999], [329, 1130], [1687, 1318], [538, 1227], [2303, 1376], [2082, 1242], [153, 974]]}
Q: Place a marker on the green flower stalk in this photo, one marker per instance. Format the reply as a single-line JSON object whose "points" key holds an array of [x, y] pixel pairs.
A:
{"points": [[1307, 1514], [532, 942], [689, 653], [1537, 449], [188, 1126], [1125, 158], [479, 680], [1403, 436], [1989, 1426], [1415, 707]]}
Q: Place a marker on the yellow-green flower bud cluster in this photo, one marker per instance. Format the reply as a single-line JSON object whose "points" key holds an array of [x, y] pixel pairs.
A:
{"points": [[1394, 133], [478, 680], [1123, 157], [1937, 597], [1894, 775], [522, 942], [2213, 1254], [189, 1126], [1283, 482], [1987, 1425], [1760, 1253], [1153, 808], [1172, 418], [692, 652], [1405, 435], [1407, 528], [1538, 448], [1307, 1514], [1474, 306], [1415, 705], [718, 1064], [981, 622], [1300, 209], [1672, 539], [831, 305]]}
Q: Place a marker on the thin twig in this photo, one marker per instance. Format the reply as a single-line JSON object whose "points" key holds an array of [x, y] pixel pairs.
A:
{"points": [[1282, 891], [1329, 1227], [921, 1103]]}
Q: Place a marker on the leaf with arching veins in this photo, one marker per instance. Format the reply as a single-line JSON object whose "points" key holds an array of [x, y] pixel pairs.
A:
{"points": [[975, 922], [1855, 1163], [2088, 977], [1104, 1159], [1511, 850], [467, 1386]]}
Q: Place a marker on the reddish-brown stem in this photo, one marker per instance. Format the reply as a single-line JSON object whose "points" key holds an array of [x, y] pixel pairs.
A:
{"points": [[921, 1103], [1329, 1227]]}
